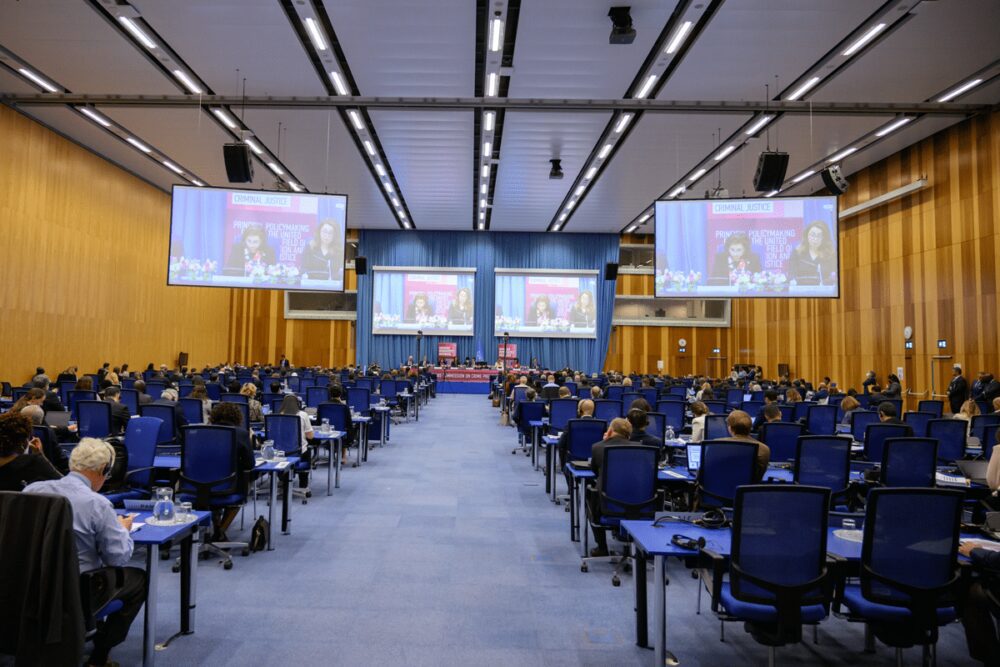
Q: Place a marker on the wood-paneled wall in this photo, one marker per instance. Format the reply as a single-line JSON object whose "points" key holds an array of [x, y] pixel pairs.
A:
{"points": [[928, 260], [83, 264]]}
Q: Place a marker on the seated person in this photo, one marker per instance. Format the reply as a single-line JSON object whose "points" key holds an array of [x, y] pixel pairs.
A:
{"points": [[335, 394], [140, 388], [887, 413], [814, 260], [618, 433], [584, 410], [738, 423], [583, 313], [849, 405], [290, 406], [540, 313], [102, 537], [50, 446], [735, 259], [564, 392], [229, 414], [251, 251], [419, 310], [119, 412], [21, 458], [550, 390], [323, 256], [700, 411], [460, 311], [639, 419], [770, 396]]}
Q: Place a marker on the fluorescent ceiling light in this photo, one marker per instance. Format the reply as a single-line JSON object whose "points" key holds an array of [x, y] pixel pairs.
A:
{"points": [[482, 226], [482, 189], [395, 202], [253, 145], [630, 229], [562, 217], [724, 152], [94, 116], [803, 89], [275, 168], [224, 117], [677, 191], [646, 87], [380, 170], [172, 167], [338, 83], [406, 224], [761, 122], [492, 82], [188, 82], [580, 190], [571, 204], [488, 119], [37, 79], [138, 144], [698, 174], [482, 203], [487, 149], [555, 227], [803, 176], [892, 127], [604, 151], [315, 35], [482, 215], [295, 186], [402, 216], [955, 93], [591, 173], [496, 34], [137, 32], [197, 182], [388, 187], [486, 171], [369, 148], [772, 193], [842, 154], [644, 218], [623, 123], [679, 36], [356, 120], [864, 39]]}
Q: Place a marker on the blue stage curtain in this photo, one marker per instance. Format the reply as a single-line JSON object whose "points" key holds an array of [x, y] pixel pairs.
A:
{"points": [[484, 252]]}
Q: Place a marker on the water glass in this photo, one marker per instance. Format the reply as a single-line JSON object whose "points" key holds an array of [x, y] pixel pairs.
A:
{"points": [[267, 450], [184, 513], [326, 426]]}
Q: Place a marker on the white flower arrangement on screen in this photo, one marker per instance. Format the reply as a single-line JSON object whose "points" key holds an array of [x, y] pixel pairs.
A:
{"points": [[186, 268]]}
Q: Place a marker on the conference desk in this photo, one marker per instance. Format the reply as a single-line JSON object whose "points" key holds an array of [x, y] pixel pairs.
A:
{"points": [[152, 538], [334, 441]]}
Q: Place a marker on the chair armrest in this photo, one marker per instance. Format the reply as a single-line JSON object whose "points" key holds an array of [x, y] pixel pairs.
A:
{"points": [[718, 568], [137, 470]]}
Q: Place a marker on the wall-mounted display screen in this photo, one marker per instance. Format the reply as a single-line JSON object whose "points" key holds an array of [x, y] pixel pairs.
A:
{"points": [[546, 303], [434, 301]]}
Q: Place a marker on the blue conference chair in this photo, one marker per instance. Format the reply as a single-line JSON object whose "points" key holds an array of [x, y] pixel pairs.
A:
{"points": [[365, 383], [752, 408], [717, 407], [528, 412], [608, 409], [339, 415], [801, 410], [210, 478], [294, 383], [734, 398], [79, 395], [909, 462], [918, 422], [184, 390], [627, 399], [787, 412], [359, 400], [877, 434], [679, 391], [140, 443], [778, 578], [614, 392], [64, 387], [978, 427], [651, 394], [155, 389], [909, 569], [234, 397], [582, 435], [18, 392], [822, 420], [898, 402], [658, 425], [193, 410], [582, 392], [167, 441], [934, 407], [715, 427], [130, 399], [989, 439], [724, 467], [627, 491], [315, 396], [860, 419], [673, 413], [286, 432], [951, 437], [214, 391], [781, 438], [561, 410], [93, 419], [824, 460], [322, 380]]}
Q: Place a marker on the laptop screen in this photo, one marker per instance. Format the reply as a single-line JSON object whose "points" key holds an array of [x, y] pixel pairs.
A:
{"points": [[57, 418], [694, 457]]}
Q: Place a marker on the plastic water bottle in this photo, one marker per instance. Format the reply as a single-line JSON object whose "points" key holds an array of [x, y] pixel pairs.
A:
{"points": [[670, 433]]}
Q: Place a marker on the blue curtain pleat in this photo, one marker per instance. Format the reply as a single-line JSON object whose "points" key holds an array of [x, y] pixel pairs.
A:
{"points": [[485, 252]]}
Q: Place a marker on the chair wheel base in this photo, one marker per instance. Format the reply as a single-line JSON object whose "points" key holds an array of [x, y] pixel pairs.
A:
{"points": [[227, 565], [583, 567], [246, 552], [175, 568], [616, 581]]}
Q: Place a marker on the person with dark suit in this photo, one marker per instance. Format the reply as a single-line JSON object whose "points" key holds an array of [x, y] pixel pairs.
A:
{"points": [[140, 388], [958, 389], [770, 396], [991, 388], [550, 390], [229, 414], [893, 389], [887, 414], [51, 402], [870, 379], [21, 458], [119, 412], [584, 410], [618, 433], [169, 398], [639, 419], [979, 611], [739, 423]]}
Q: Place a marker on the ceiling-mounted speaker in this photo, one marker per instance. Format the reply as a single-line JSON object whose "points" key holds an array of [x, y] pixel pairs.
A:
{"points": [[361, 265], [835, 180], [610, 271], [239, 166], [771, 167]]}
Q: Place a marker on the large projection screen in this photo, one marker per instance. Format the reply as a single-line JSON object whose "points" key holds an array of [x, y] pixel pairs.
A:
{"points": [[434, 301], [784, 247], [549, 303], [257, 239]]}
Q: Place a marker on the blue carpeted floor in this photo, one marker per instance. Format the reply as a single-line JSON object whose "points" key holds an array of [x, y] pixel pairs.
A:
{"points": [[444, 550]]}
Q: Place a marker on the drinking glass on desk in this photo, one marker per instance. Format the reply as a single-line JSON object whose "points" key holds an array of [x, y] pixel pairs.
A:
{"points": [[184, 513], [267, 450], [325, 428], [163, 508]]}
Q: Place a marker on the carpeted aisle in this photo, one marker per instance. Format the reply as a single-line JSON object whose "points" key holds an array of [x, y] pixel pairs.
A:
{"points": [[444, 550]]}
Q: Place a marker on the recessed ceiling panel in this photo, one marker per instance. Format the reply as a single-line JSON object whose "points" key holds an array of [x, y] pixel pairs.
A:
{"points": [[525, 197]]}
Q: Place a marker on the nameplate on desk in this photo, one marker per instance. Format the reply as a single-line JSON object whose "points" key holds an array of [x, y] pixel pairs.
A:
{"points": [[139, 505]]}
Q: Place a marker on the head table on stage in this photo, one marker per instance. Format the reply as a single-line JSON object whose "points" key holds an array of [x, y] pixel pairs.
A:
{"points": [[464, 380]]}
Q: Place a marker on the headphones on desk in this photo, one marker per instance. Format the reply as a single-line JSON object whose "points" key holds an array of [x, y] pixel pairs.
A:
{"points": [[688, 543], [713, 518]]}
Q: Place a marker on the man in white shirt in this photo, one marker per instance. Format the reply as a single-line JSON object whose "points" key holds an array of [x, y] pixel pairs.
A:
{"points": [[102, 537]]}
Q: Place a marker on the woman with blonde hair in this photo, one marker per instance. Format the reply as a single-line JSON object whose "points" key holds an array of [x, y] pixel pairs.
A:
{"points": [[969, 410], [249, 390]]}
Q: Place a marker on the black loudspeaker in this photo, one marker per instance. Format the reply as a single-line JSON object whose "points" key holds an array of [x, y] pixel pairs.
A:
{"points": [[361, 265], [770, 171], [182, 359], [834, 180], [610, 271], [783, 370], [239, 167]]}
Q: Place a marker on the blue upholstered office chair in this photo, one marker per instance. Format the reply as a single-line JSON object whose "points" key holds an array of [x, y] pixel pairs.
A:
{"points": [[724, 466], [801, 410], [359, 399], [614, 392], [608, 409], [78, 395], [822, 420], [64, 388], [877, 434], [781, 439], [658, 425], [294, 383], [715, 427], [825, 461], [909, 462], [582, 435], [898, 402], [717, 407], [951, 437], [93, 419], [651, 394], [778, 578], [140, 443], [561, 410], [860, 419], [989, 439], [167, 441], [918, 422], [679, 391], [322, 380], [627, 490], [184, 390], [582, 392], [130, 399], [365, 383], [339, 415], [528, 412], [234, 397], [979, 423], [193, 410], [210, 478], [909, 566], [673, 413], [734, 398], [286, 432], [934, 407], [628, 397], [787, 412], [155, 389], [214, 391], [752, 408]]}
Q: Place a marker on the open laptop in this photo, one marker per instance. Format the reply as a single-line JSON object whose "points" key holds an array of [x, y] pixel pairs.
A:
{"points": [[57, 418], [974, 471], [693, 457], [844, 428]]}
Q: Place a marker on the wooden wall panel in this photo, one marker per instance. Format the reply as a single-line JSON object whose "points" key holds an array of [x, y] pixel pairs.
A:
{"points": [[928, 260], [83, 264]]}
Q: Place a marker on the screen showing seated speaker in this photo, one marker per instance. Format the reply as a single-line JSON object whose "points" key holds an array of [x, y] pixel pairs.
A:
{"points": [[434, 301], [783, 247], [546, 304], [257, 239]]}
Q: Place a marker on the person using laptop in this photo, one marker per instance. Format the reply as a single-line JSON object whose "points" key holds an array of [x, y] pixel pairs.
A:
{"points": [[21, 459], [618, 433], [738, 423]]}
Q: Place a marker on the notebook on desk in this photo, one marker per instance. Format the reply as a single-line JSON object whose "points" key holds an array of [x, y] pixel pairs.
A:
{"points": [[974, 471]]}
